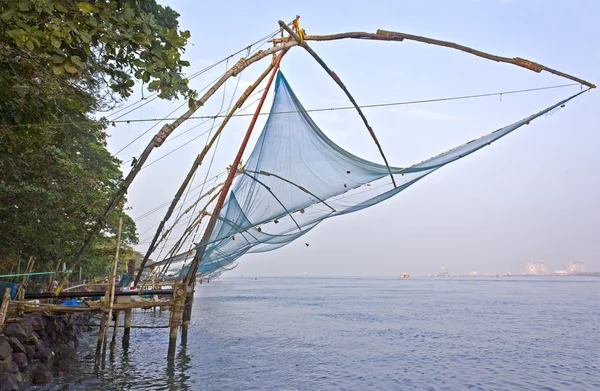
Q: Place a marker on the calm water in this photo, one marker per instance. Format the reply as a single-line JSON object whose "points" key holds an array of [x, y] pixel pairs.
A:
{"points": [[370, 334]]}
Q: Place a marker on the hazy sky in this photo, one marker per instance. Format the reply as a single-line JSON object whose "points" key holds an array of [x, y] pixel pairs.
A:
{"points": [[531, 196]]}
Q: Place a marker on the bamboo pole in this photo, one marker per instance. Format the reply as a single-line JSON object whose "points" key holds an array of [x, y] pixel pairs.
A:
{"points": [[116, 325], [21, 289], [4, 307], [339, 82], [175, 317], [166, 233], [193, 225], [128, 312], [164, 236], [384, 35], [112, 280], [100, 337]]}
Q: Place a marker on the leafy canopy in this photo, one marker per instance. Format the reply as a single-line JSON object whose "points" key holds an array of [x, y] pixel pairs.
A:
{"points": [[102, 43], [60, 62]]}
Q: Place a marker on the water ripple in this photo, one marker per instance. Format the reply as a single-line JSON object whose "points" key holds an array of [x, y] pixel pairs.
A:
{"points": [[299, 334]]}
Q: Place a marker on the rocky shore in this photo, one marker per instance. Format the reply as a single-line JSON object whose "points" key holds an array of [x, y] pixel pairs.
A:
{"points": [[36, 347]]}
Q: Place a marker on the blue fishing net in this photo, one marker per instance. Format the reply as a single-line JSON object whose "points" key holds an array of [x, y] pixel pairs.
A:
{"points": [[297, 177]]}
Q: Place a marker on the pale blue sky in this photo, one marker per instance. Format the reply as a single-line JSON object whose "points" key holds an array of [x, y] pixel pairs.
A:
{"points": [[533, 195]]}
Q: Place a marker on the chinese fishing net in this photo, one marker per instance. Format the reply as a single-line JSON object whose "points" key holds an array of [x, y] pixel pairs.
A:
{"points": [[297, 177]]}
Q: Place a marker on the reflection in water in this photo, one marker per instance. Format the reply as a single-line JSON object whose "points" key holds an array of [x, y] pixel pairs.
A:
{"points": [[177, 369]]}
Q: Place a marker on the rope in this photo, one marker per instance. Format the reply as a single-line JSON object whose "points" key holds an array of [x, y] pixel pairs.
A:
{"points": [[410, 102]]}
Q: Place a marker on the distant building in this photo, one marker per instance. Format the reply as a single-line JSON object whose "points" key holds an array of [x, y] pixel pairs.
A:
{"points": [[575, 267], [473, 273], [535, 268], [444, 271], [561, 272]]}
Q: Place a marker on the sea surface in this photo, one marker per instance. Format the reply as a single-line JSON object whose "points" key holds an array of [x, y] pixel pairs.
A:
{"points": [[438, 333]]}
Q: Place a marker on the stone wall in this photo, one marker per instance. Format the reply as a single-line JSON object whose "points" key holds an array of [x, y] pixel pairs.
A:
{"points": [[35, 348]]}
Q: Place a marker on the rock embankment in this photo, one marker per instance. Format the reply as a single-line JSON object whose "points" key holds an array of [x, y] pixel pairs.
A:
{"points": [[35, 348]]}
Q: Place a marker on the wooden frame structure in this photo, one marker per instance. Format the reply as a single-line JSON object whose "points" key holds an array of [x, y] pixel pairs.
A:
{"points": [[296, 37]]}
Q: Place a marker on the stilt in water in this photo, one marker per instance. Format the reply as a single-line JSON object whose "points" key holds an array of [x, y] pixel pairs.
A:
{"points": [[187, 311], [100, 337], [115, 327], [175, 317], [128, 312]]}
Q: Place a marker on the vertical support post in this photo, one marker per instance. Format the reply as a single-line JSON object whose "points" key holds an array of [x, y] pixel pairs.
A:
{"points": [[4, 307], [113, 277], [103, 322], [175, 317], [187, 311], [128, 312], [115, 327]]}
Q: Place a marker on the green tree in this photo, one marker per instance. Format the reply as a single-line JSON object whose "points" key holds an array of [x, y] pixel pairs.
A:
{"points": [[61, 62], [101, 44]]}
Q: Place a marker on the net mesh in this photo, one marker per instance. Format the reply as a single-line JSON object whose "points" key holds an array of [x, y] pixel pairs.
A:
{"points": [[297, 177]]}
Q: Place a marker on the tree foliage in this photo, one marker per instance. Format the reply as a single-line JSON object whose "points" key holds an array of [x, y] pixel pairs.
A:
{"points": [[102, 43], [60, 62]]}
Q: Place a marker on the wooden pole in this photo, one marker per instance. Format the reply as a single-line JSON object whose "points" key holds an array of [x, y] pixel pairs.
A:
{"points": [[115, 327], [112, 279], [187, 230], [234, 167], [175, 317], [21, 289], [128, 312], [100, 338], [4, 307]]}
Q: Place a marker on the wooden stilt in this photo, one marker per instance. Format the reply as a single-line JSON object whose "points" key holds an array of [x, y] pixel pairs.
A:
{"points": [[100, 336], [175, 316], [187, 311], [113, 278], [4, 307], [129, 312], [115, 327]]}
